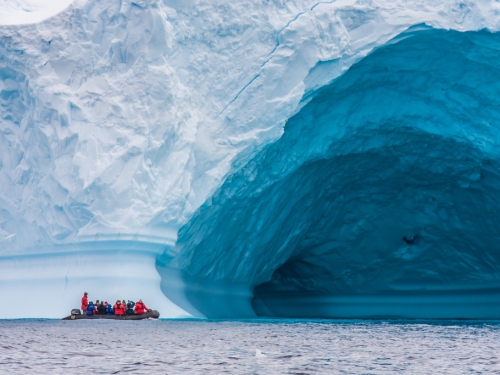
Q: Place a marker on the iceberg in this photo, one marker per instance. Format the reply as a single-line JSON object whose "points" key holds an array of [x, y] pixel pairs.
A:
{"points": [[234, 158]]}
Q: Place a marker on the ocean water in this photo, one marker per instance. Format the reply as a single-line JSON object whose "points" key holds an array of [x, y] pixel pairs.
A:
{"points": [[290, 347]]}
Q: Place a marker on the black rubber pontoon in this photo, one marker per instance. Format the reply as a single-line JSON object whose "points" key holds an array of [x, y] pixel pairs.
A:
{"points": [[147, 315]]}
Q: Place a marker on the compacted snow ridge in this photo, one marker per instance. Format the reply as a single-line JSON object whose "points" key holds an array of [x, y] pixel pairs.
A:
{"points": [[122, 122]]}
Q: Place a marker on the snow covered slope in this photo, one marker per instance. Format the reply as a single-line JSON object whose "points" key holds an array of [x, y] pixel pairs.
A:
{"points": [[119, 119]]}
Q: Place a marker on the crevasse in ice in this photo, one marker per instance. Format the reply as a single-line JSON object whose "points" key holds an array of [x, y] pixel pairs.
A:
{"points": [[123, 122]]}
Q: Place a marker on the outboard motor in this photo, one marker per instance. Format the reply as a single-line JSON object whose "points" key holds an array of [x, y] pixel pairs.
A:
{"points": [[76, 312]]}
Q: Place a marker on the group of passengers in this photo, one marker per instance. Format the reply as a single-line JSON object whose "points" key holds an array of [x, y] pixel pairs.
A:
{"points": [[119, 308]]}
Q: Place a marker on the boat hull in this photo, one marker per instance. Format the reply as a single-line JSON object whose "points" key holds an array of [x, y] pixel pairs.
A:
{"points": [[147, 315]]}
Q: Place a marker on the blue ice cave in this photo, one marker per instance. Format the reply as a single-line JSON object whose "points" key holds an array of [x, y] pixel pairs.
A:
{"points": [[381, 199]]}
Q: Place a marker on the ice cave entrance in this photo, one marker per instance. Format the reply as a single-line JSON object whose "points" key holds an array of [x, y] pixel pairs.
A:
{"points": [[381, 199]]}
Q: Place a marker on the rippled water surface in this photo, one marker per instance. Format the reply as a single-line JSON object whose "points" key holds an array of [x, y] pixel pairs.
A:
{"points": [[291, 347]]}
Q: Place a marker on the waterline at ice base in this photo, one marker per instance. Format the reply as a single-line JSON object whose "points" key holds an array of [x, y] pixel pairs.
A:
{"points": [[240, 159]]}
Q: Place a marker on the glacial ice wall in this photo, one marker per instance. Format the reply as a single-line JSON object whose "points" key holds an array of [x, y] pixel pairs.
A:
{"points": [[382, 197], [119, 119]]}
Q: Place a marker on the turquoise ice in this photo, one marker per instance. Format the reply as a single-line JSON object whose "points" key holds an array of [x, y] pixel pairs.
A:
{"points": [[380, 199]]}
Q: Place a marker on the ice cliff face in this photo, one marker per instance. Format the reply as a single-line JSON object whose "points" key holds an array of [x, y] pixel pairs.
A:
{"points": [[381, 197], [120, 119]]}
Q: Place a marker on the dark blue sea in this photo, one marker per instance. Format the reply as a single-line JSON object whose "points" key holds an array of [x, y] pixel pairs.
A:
{"points": [[287, 347]]}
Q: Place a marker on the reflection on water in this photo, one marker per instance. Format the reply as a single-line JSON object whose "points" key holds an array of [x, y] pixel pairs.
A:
{"points": [[290, 347]]}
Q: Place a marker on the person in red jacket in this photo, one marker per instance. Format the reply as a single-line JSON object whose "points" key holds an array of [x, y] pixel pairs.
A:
{"points": [[119, 308], [85, 302], [140, 307]]}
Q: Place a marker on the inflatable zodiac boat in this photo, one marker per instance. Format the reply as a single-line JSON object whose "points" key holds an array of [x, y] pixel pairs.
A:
{"points": [[76, 315]]}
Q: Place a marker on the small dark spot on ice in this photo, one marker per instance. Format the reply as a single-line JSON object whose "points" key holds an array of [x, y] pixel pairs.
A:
{"points": [[409, 240]]}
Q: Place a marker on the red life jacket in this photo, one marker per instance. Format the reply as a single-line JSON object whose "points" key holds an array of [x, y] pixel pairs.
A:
{"points": [[85, 303], [139, 308], [119, 308]]}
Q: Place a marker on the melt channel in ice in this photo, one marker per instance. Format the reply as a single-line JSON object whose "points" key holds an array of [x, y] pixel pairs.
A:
{"points": [[122, 122]]}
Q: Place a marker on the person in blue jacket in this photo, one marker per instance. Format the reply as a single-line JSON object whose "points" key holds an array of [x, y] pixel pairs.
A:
{"points": [[130, 308], [109, 309], [91, 308]]}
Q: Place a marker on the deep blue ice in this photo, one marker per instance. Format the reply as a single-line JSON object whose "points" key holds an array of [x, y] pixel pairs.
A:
{"points": [[382, 197]]}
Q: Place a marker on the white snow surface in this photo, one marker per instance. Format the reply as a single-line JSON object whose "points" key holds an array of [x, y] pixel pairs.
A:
{"points": [[118, 119], [19, 12]]}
